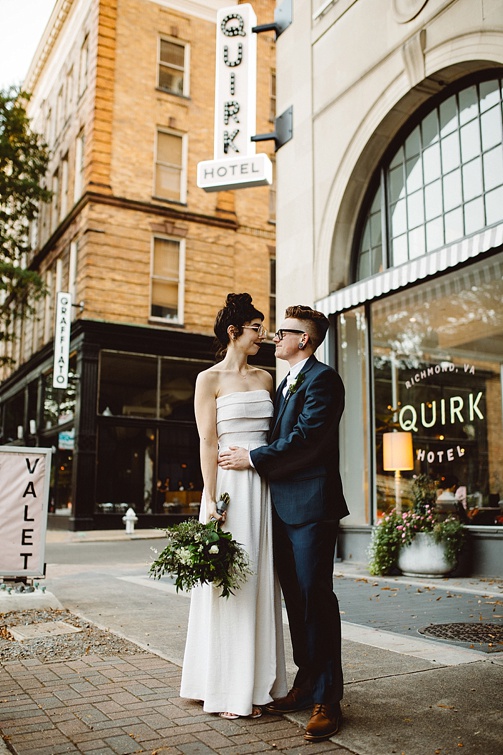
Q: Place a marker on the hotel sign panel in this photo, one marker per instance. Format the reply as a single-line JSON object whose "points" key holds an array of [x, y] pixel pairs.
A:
{"points": [[235, 163]]}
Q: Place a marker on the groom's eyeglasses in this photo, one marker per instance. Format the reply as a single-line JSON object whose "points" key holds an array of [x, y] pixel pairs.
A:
{"points": [[280, 334], [259, 330]]}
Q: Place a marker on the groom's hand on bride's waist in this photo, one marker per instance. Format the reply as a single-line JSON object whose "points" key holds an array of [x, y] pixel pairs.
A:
{"points": [[234, 457]]}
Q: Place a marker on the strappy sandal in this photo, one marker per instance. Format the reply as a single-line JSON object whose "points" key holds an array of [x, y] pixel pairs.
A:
{"points": [[256, 713]]}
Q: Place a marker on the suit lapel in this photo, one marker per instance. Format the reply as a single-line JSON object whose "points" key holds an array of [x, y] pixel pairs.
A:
{"points": [[281, 401]]}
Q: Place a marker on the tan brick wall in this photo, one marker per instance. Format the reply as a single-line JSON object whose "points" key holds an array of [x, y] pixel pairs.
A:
{"points": [[120, 112]]}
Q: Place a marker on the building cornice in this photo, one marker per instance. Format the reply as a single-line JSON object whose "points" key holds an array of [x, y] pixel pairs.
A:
{"points": [[47, 42]]}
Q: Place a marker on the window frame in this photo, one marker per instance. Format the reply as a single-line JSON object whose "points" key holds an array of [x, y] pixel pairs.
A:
{"points": [[380, 180], [186, 65], [180, 318], [183, 168]]}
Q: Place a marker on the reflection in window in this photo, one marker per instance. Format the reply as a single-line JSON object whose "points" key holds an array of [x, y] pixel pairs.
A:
{"points": [[137, 385], [154, 470], [178, 379], [443, 184], [128, 385], [437, 374]]}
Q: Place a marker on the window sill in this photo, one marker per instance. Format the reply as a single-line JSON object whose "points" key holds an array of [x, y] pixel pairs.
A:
{"points": [[166, 323], [185, 97], [170, 201]]}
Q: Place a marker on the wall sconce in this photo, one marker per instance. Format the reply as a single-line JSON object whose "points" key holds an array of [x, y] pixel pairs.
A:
{"points": [[397, 457]]}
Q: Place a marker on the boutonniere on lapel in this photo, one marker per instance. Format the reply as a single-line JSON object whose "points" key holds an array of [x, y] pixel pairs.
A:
{"points": [[293, 387]]}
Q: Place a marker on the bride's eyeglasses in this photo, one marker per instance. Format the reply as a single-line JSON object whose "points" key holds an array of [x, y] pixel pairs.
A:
{"points": [[259, 330]]}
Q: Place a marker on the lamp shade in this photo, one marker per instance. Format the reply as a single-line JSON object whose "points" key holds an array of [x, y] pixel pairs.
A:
{"points": [[397, 452]]}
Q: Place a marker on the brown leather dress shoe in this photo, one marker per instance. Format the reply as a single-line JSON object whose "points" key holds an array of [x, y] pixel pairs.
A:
{"points": [[325, 721], [296, 699]]}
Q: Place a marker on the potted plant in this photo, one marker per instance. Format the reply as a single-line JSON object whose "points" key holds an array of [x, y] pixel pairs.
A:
{"points": [[420, 542]]}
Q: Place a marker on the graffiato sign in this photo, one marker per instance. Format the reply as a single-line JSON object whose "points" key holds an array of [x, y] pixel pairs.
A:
{"points": [[235, 163], [24, 497], [62, 340]]}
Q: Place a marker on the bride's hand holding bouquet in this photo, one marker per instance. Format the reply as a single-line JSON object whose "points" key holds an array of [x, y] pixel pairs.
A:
{"points": [[199, 553]]}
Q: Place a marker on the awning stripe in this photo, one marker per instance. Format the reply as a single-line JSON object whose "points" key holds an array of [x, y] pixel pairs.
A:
{"points": [[422, 267]]}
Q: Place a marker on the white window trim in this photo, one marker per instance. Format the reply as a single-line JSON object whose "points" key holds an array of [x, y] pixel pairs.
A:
{"points": [[183, 172], [180, 319], [83, 67], [72, 274], [186, 64], [78, 173]]}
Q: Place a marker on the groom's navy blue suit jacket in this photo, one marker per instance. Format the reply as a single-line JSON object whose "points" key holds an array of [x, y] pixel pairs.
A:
{"points": [[301, 461]]}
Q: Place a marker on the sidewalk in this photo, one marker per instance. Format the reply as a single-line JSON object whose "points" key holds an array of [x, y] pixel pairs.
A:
{"points": [[404, 693]]}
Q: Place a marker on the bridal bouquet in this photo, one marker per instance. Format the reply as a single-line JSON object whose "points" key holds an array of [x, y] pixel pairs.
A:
{"points": [[199, 553]]}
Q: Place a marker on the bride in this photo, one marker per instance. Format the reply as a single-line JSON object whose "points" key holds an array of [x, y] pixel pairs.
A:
{"points": [[234, 657]]}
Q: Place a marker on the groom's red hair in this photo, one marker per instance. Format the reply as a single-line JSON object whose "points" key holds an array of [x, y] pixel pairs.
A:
{"points": [[316, 323]]}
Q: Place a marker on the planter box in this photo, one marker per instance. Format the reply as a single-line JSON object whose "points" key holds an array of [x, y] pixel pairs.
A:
{"points": [[423, 557]]}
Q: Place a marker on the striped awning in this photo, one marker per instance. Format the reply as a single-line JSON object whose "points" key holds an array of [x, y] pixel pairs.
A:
{"points": [[399, 277]]}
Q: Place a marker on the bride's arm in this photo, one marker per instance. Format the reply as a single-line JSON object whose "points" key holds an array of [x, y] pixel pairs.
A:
{"points": [[206, 420]]}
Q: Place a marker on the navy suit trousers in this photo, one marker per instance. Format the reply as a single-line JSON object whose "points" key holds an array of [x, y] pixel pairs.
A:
{"points": [[304, 557]]}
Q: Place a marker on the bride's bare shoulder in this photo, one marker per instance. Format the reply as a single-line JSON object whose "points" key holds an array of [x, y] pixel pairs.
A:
{"points": [[209, 380]]}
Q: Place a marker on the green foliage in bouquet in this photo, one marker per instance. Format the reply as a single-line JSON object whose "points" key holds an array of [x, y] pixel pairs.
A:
{"points": [[199, 553]]}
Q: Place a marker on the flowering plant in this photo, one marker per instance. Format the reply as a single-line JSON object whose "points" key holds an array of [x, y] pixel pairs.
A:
{"points": [[199, 553], [292, 388], [396, 530]]}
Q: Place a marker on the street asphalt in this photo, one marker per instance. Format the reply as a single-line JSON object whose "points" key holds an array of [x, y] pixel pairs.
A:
{"points": [[406, 692]]}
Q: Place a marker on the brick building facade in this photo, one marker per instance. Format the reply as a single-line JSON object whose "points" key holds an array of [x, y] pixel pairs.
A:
{"points": [[123, 93]]}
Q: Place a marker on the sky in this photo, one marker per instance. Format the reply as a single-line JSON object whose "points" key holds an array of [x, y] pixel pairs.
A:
{"points": [[22, 23]]}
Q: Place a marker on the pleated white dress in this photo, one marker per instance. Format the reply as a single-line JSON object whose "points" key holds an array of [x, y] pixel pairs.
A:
{"points": [[234, 656]]}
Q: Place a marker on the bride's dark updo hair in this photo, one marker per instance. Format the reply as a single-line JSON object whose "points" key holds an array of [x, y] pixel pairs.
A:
{"points": [[238, 310]]}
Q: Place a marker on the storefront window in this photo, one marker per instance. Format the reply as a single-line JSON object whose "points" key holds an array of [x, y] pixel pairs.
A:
{"points": [[128, 385], [13, 418], [437, 375], [154, 470], [136, 385], [354, 428], [178, 378], [149, 456]]}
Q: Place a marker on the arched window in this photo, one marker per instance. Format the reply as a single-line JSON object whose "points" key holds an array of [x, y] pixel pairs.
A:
{"points": [[443, 184]]}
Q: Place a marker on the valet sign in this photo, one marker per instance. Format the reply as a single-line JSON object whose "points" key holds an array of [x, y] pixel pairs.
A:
{"points": [[235, 164], [62, 340], [24, 497]]}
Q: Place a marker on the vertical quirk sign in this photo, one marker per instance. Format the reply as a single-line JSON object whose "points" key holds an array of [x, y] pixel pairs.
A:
{"points": [[62, 340], [24, 496], [235, 164]]}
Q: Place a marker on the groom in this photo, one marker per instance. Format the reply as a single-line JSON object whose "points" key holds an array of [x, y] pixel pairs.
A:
{"points": [[301, 464]]}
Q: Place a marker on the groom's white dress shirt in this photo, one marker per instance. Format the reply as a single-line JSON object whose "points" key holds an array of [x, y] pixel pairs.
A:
{"points": [[293, 374]]}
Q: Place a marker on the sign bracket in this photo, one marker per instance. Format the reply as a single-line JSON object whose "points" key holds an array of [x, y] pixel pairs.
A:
{"points": [[282, 20], [283, 130]]}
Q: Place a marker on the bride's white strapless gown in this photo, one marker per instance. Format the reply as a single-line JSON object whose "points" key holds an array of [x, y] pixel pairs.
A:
{"points": [[234, 655]]}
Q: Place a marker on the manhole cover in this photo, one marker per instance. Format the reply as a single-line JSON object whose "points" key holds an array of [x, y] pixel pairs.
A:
{"points": [[22, 632], [491, 634]]}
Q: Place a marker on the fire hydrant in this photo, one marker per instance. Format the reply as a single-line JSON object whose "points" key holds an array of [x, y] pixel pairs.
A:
{"points": [[129, 520]]}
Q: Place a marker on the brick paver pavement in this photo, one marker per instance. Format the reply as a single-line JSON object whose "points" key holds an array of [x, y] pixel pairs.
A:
{"points": [[127, 704]]}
